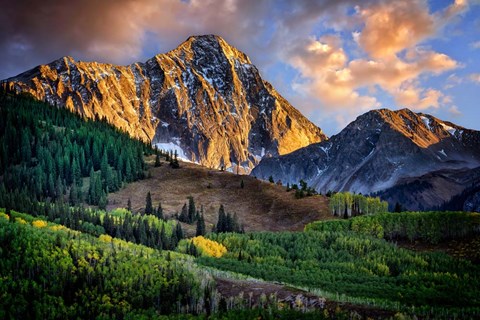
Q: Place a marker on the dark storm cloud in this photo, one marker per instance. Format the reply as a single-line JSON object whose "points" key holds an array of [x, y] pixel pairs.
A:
{"points": [[118, 31]]}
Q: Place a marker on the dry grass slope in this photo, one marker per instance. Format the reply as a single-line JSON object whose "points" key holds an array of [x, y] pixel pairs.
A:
{"points": [[260, 205]]}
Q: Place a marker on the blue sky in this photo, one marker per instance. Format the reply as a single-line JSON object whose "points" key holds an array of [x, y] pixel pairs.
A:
{"points": [[332, 59]]}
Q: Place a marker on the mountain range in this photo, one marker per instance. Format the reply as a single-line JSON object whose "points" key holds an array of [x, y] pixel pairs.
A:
{"points": [[207, 101], [204, 99], [411, 158]]}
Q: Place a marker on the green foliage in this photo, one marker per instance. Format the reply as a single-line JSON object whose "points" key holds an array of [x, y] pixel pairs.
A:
{"points": [[431, 227], [303, 191], [346, 204], [226, 222], [142, 229], [44, 150], [353, 264], [55, 273], [148, 204]]}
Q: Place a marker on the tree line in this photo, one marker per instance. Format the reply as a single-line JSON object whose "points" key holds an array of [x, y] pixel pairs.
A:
{"points": [[346, 204], [432, 226], [49, 152]]}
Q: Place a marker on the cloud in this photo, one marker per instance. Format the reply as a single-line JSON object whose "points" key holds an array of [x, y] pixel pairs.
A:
{"points": [[417, 98], [116, 31], [391, 27], [452, 81], [475, 77], [327, 75], [346, 53], [322, 65], [475, 45], [391, 34], [454, 111]]}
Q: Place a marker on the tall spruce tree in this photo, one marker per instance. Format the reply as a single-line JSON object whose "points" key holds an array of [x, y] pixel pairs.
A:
{"points": [[191, 210], [222, 220], [184, 214], [148, 204], [200, 226], [159, 211]]}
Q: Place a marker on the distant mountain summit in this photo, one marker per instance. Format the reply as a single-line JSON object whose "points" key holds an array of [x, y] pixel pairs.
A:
{"points": [[413, 158], [205, 99]]}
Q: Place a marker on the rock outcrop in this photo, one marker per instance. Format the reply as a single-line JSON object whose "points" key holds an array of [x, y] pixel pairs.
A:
{"points": [[204, 99], [381, 150]]}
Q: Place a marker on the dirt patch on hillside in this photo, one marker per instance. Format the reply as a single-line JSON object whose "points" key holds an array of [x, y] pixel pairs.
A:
{"points": [[253, 292], [259, 205]]}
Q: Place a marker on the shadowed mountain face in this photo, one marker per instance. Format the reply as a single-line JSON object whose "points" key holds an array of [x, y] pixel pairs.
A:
{"points": [[204, 99], [382, 150]]}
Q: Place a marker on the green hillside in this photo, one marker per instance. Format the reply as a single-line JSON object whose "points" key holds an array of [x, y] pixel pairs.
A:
{"points": [[89, 229]]}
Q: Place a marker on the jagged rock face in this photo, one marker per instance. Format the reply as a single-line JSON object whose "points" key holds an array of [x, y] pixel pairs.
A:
{"points": [[377, 151], [205, 97]]}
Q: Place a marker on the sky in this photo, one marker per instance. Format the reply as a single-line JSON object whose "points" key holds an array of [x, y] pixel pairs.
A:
{"points": [[332, 59]]}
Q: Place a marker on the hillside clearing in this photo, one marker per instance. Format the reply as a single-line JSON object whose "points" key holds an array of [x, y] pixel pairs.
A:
{"points": [[260, 205]]}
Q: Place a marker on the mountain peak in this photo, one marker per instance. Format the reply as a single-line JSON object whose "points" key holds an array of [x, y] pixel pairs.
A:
{"points": [[206, 46], [382, 149], [204, 99], [422, 129]]}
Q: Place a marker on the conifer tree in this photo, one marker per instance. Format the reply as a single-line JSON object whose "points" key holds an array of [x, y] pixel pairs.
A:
{"points": [[184, 214], [148, 204], [200, 226], [73, 195], [191, 210], [221, 223], [159, 211]]}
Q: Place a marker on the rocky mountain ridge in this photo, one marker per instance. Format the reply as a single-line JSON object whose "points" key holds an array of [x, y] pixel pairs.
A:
{"points": [[382, 150], [204, 99]]}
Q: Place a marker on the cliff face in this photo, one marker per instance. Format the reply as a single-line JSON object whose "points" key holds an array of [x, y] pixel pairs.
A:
{"points": [[385, 150], [204, 98]]}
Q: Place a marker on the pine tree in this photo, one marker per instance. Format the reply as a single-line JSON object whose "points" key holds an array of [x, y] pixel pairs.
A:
{"points": [[129, 205], [179, 232], [73, 196], [200, 226], [184, 214], [159, 212], [270, 179], [398, 207], [191, 210], [148, 204], [221, 223]]}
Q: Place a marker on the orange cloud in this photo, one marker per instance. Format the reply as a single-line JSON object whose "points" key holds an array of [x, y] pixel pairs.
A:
{"points": [[327, 76], [322, 64], [390, 33], [393, 26], [418, 98]]}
